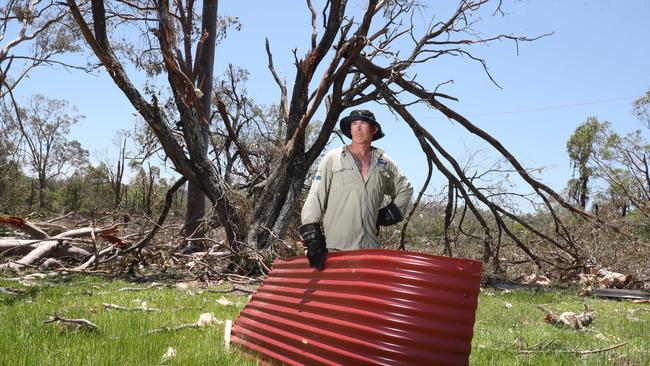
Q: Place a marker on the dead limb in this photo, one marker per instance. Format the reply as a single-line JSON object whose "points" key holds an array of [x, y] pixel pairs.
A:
{"points": [[233, 288], [68, 250], [144, 307], [45, 245], [80, 323], [86, 232], [15, 246], [155, 284], [205, 320], [163, 215], [578, 352], [236, 277], [44, 249], [94, 257], [166, 329], [11, 291], [50, 263], [97, 258]]}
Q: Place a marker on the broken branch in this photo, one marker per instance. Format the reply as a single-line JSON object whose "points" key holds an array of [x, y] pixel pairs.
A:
{"points": [[80, 323]]}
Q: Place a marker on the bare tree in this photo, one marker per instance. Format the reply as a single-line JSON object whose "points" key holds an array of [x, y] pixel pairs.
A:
{"points": [[116, 175], [344, 66], [245, 135], [44, 125], [178, 43]]}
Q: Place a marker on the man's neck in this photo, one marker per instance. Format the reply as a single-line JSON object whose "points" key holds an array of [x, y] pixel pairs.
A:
{"points": [[360, 149]]}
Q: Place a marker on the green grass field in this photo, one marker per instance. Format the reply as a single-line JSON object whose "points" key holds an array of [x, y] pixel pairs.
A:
{"points": [[501, 330], [504, 334]]}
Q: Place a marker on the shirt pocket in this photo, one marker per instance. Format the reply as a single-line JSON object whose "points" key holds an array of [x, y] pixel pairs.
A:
{"points": [[342, 176]]}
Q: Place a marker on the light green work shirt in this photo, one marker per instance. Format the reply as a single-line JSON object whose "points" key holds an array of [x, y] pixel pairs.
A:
{"points": [[347, 205]]}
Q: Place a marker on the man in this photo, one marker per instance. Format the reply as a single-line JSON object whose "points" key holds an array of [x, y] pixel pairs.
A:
{"points": [[348, 191]]}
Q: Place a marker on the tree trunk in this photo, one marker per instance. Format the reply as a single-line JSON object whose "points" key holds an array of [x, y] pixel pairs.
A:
{"points": [[583, 191], [116, 183], [276, 205], [41, 192], [195, 211], [195, 197]]}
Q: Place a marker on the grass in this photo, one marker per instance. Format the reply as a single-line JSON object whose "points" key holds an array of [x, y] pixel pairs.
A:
{"points": [[26, 340], [499, 328]]}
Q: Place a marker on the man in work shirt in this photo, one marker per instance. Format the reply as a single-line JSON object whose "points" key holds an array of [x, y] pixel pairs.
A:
{"points": [[348, 190]]}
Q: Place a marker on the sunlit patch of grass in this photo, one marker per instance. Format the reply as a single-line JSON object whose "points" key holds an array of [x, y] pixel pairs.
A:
{"points": [[517, 334], [122, 338], [502, 331]]}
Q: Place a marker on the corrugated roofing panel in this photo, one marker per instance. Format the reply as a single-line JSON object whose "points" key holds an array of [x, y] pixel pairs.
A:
{"points": [[373, 306]]}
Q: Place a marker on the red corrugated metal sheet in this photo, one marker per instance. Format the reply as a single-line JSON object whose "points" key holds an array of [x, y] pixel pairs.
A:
{"points": [[374, 306]]}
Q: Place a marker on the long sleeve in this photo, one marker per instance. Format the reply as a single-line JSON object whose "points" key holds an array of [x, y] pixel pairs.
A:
{"points": [[316, 202], [404, 191], [399, 189]]}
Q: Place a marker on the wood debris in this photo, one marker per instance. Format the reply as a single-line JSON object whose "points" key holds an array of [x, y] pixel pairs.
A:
{"points": [[170, 354], [570, 319], [225, 302], [142, 307], [208, 319], [604, 278], [81, 324], [537, 279]]}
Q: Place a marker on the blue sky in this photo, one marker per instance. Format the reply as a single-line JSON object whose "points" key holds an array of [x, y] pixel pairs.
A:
{"points": [[594, 64]]}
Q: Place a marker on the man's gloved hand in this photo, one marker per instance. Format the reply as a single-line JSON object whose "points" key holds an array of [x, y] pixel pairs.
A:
{"points": [[389, 215], [315, 242]]}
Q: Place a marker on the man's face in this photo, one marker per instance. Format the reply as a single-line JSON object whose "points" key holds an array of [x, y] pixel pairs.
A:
{"points": [[362, 131]]}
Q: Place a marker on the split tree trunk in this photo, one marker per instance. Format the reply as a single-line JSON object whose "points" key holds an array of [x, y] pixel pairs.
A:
{"points": [[195, 197], [276, 205]]}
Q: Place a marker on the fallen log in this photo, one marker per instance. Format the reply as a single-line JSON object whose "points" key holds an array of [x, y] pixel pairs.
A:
{"points": [[44, 248], [86, 232], [15, 246]]}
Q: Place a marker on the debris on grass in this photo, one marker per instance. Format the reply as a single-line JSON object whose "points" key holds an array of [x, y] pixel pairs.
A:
{"points": [[208, 319], [537, 279], [171, 353], [640, 301], [570, 319], [143, 307], [225, 302], [604, 278], [80, 324], [205, 320]]}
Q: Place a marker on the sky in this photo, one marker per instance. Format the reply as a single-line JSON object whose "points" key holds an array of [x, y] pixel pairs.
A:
{"points": [[593, 64]]}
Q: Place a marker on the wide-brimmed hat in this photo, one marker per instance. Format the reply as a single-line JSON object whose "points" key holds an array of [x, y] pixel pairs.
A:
{"points": [[362, 115]]}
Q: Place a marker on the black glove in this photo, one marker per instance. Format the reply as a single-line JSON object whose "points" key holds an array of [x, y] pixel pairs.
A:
{"points": [[315, 242], [389, 215]]}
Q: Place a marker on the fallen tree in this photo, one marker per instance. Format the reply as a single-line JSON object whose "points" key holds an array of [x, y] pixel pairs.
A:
{"points": [[42, 246]]}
